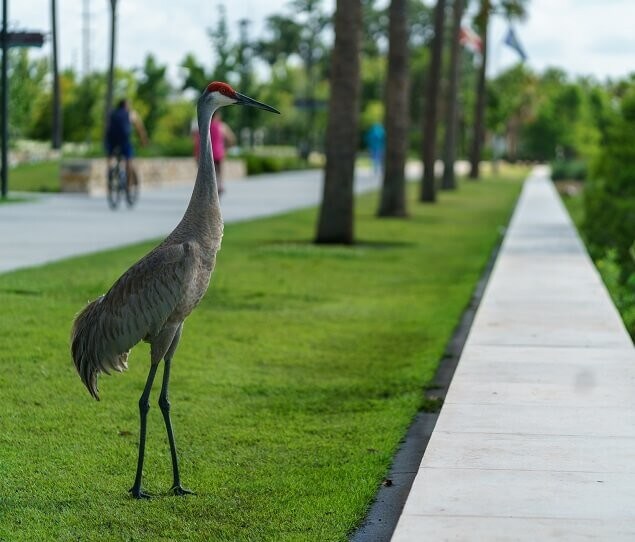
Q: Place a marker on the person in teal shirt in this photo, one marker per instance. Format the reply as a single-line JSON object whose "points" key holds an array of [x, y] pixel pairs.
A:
{"points": [[376, 142]]}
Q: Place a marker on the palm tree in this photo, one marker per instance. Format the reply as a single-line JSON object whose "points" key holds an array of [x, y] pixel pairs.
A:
{"points": [[429, 151], [335, 224], [512, 9], [449, 151], [57, 108], [111, 68], [393, 194]]}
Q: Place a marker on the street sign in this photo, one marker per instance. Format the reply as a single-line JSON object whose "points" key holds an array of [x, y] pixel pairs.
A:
{"points": [[24, 39], [309, 103], [10, 39]]}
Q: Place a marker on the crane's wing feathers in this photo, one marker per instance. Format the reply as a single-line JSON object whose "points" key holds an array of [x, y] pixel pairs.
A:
{"points": [[139, 303], [136, 307]]}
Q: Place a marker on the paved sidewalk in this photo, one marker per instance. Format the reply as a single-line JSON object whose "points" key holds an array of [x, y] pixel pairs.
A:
{"points": [[62, 225], [536, 439]]}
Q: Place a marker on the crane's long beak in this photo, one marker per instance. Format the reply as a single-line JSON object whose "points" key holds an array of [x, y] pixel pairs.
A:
{"points": [[241, 99]]}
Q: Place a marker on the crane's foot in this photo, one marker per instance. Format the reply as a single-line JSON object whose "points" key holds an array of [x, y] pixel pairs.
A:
{"points": [[138, 493], [181, 491]]}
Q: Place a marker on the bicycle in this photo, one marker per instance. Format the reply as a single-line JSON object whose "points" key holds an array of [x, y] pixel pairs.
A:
{"points": [[118, 184]]}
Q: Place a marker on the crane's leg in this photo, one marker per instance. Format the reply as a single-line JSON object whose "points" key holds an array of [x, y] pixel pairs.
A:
{"points": [[144, 406], [164, 404]]}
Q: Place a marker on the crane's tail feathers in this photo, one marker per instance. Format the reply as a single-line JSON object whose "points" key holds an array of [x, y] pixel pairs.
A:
{"points": [[89, 347]]}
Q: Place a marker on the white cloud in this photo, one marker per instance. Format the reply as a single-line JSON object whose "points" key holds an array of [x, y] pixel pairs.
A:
{"points": [[566, 33], [581, 36]]}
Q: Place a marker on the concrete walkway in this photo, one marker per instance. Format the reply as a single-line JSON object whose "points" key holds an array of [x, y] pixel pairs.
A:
{"points": [[62, 225], [536, 439]]}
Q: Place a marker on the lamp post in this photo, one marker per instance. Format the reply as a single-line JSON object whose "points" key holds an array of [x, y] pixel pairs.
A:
{"points": [[10, 39], [5, 99]]}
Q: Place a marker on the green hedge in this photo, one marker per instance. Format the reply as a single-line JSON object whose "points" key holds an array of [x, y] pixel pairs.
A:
{"points": [[610, 196], [569, 170], [177, 147], [257, 164]]}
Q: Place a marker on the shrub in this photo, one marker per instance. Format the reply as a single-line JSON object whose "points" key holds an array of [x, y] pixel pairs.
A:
{"points": [[622, 291], [610, 197], [569, 170], [257, 164], [177, 146]]}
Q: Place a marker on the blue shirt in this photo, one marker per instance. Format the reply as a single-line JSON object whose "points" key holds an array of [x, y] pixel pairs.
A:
{"points": [[119, 127]]}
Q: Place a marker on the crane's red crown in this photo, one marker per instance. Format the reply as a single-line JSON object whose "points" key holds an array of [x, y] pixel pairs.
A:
{"points": [[223, 88]]}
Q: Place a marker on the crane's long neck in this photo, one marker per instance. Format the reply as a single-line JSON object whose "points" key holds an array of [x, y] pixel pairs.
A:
{"points": [[203, 215]]}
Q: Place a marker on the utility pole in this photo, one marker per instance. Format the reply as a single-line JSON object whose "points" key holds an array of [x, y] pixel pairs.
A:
{"points": [[57, 105], [111, 69], [86, 38], [13, 39], [448, 181], [5, 98]]}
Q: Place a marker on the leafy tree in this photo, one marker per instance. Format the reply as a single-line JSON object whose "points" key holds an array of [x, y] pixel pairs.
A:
{"points": [[222, 47], [41, 116], [172, 130], [153, 91], [376, 23], [283, 40], [300, 33], [420, 23], [511, 99], [26, 87], [244, 56], [553, 130], [610, 195], [512, 9], [195, 76], [83, 110]]}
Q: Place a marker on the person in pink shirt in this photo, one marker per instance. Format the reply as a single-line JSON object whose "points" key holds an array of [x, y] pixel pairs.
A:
{"points": [[221, 135]]}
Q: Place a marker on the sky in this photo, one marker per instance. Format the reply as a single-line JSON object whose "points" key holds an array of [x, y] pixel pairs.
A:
{"points": [[583, 37]]}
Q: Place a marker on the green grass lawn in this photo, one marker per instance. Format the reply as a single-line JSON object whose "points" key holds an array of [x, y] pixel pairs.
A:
{"points": [[35, 177], [294, 382]]}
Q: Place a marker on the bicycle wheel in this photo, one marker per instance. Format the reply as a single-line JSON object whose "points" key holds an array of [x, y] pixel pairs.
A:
{"points": [[113, 193], [132, 188]]}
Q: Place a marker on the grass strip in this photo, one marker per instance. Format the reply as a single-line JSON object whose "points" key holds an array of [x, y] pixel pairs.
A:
{"points": [[35, 177], [294, 382]]}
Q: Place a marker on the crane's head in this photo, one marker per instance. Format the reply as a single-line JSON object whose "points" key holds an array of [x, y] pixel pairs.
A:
{"points": [[221, 94]]}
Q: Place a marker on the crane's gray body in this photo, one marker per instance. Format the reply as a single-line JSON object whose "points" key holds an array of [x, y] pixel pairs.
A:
{"points": [[151, 300]]}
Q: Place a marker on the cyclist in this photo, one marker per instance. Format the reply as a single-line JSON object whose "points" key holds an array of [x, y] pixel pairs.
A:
{"points": [[119, 131]]}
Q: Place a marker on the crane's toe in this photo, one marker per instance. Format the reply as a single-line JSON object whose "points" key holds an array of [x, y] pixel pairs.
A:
{"points": [[180, 491], [138, 493]]}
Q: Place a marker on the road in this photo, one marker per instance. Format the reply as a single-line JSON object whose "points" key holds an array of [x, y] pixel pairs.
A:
{"points": [[57, 226]]}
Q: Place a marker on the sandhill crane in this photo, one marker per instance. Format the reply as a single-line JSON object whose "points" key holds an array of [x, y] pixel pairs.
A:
{"points": [[151, 300]]}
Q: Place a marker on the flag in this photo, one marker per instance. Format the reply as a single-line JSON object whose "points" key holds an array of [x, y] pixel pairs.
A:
{"points": [[470, 40], [512, 41]]}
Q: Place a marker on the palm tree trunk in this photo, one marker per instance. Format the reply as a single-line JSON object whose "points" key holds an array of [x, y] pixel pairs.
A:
{"points": [[56, 142], [479, 114], [393, 194], [111, 69], [429, 151], [449, 151], [335, 224]]}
